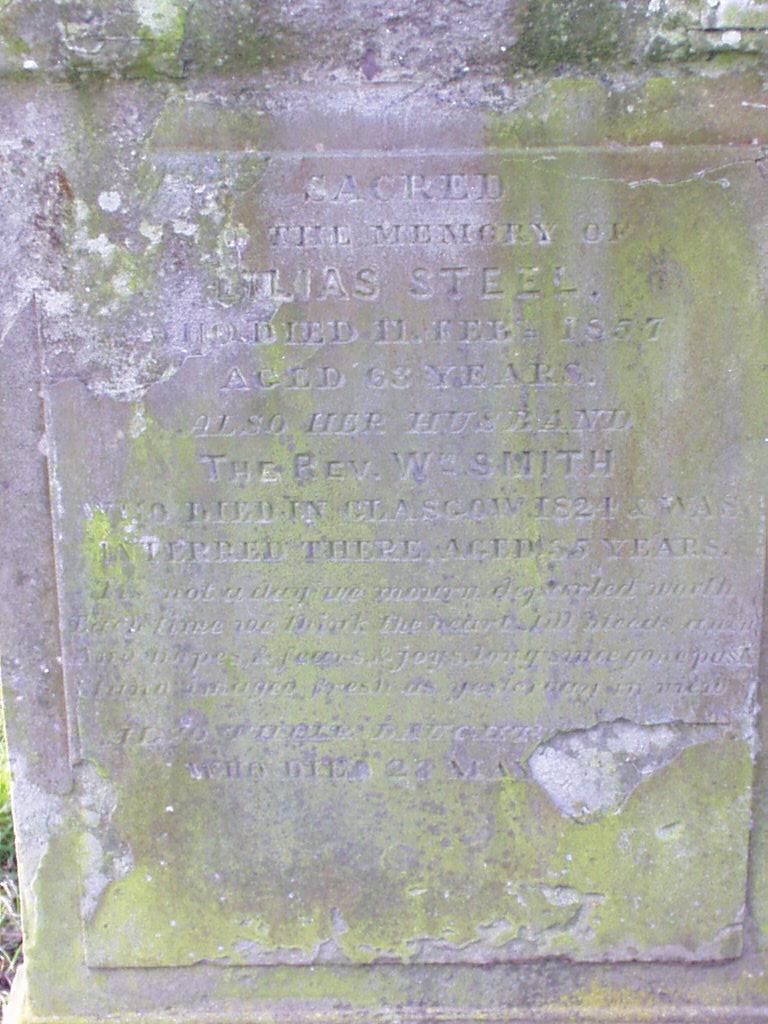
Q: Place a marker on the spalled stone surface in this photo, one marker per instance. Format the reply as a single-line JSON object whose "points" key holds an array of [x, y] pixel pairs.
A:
{"points": [[382, 504], [593, 771]]}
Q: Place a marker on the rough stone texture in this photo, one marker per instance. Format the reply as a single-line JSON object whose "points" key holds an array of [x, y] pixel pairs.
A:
{"points": [[438, 41], [382, 489]]}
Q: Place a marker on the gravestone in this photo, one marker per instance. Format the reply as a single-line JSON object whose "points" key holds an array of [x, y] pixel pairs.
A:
{"points": [[383, 410]]}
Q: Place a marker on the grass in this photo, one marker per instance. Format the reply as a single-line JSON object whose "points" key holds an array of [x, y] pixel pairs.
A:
{"points": [[10, 922]]}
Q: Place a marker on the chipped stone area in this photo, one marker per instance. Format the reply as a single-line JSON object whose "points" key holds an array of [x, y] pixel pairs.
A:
{"points": [[558, 911], [588, 772], [105, 857]]}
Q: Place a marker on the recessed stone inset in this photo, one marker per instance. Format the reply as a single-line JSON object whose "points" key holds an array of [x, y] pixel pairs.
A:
{"points": [[402, 625]]}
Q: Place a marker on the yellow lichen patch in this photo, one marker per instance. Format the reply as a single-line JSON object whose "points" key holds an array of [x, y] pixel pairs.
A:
{"points": [[111, 552]]}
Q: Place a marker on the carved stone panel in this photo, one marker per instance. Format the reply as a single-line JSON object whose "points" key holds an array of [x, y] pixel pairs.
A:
{"points": [[413, 616]]}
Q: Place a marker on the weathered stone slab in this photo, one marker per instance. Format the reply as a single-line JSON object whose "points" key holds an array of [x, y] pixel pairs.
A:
{"points": [[410, 578], [387, 518]]}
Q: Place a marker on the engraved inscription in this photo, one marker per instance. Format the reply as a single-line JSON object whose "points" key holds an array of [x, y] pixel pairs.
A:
{"points": [[408, 570]]}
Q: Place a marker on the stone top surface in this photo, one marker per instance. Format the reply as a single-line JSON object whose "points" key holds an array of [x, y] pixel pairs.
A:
{"points": [[443, 42]]}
